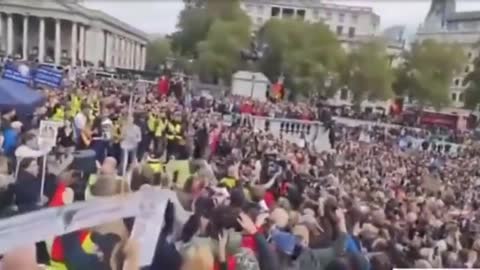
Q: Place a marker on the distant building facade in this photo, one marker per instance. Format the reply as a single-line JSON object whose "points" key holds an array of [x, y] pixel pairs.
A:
{"points": [[64, 32], [349, 23], [443, 23], [394, 39]]}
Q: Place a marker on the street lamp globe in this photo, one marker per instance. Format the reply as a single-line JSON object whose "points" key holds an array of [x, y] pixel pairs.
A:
{"points": [[169, 62]]}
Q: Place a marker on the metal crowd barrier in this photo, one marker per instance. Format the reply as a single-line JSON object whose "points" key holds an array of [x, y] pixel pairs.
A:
{"points": [[290, 129], [312, 130], [315, 132], [147, 205], [434, 145]]}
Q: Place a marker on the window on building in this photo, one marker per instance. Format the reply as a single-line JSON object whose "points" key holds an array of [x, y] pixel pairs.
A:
{"points": [[275, 11], [464, 82], [301, 13], [288, 12], [354, 18], [454, 96], [341, 17], [351, 32], [470, 25], [452, 26], [456, 82], [339, 30], [461, 97], [467, 69], [470, 55]]}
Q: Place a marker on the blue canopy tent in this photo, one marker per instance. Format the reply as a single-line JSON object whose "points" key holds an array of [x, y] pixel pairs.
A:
{"points": [[19, 96]]}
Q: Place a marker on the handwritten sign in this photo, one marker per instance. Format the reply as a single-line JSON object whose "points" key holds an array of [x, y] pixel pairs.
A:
{"points": [[148, 224], [47, 136]]}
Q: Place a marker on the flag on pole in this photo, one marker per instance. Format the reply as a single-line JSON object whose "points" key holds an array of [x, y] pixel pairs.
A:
{"points": [[278, 89]]}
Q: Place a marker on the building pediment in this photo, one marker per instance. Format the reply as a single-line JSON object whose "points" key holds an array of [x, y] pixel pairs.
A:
{"points": [[66, 9]]}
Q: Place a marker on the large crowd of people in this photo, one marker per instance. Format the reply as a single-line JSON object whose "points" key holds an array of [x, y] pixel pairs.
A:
{"points": [[250, 199]]}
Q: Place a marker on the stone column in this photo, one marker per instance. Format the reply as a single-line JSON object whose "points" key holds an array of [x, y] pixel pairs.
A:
{"points": [[81, 45], [143, 58], [122, 53], [127, 53], [9, 34], [108, 50], [129, 50], [58, 42], [2, 45], [73, 44], [114, 50], [139, 55], [41, 40], [119, 52], [130, 55], [135, 55], [25, 38]]}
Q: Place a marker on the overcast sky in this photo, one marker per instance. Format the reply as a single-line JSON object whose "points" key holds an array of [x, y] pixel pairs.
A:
{"points": [[160, 16]]}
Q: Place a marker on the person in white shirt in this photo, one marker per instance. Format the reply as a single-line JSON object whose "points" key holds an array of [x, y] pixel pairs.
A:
{"points": [[80, 120], [131, 137]]}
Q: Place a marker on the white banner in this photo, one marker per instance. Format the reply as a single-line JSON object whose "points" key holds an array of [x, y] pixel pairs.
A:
{"points": [[147, 205]]}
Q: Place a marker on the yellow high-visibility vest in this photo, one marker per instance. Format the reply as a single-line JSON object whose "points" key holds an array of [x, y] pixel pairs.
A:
{"points": [[161, 127], [76, 104], [117, 131], [229, 182], [174, 132], [152, 123], [58, 115], [156, 165], [91, 181]]}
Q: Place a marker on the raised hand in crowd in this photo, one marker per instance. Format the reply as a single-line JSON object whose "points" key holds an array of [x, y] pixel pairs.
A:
{"points": [[247, 223]]}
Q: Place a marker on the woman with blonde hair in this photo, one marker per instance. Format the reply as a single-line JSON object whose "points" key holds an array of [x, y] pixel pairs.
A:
{"points": [[198, 257]]}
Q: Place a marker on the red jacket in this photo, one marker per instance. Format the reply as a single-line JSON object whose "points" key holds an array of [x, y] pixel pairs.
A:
{"points": [[246, 108], [163, 87]]}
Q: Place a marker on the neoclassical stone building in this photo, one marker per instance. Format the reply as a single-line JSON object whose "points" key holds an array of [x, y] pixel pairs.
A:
{"points": [[64, 32]]}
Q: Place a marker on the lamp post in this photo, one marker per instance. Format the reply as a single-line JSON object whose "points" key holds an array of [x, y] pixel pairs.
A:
{"points": [[253, 85], [252, 54], [169, 62]]}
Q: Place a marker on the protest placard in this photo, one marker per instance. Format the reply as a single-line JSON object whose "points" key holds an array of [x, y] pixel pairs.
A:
{"points": [[148, 224], [47, 135]]}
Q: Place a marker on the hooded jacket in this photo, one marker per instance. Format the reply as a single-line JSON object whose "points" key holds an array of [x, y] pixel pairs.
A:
{"points": [[318, 259]]}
